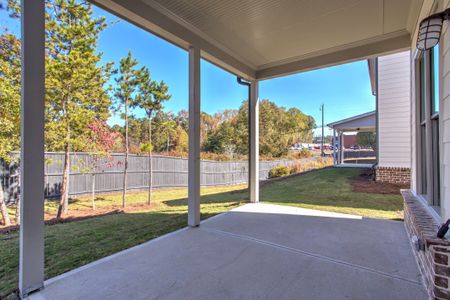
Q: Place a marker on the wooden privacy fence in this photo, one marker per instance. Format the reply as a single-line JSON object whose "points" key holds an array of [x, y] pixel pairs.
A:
{"points": [[167, 172]]}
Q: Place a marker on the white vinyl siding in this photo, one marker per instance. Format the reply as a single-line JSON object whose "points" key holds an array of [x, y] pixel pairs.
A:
{"points": [[394, 114], [444, 118]]}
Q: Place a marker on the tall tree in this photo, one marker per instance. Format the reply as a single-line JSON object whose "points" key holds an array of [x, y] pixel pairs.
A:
{"points": [[128, 82], [100, 140], [169, 127], [9, 105], [150, 98], [278, 128], [75, 80]]}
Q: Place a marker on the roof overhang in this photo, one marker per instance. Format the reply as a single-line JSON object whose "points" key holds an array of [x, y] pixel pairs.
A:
{"points": [[363, 122], [261, 39]]}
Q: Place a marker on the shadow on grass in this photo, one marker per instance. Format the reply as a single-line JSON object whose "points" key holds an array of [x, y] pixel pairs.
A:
{"points": [[71, 245], [74, 244], [317, 189], [236, 196]]}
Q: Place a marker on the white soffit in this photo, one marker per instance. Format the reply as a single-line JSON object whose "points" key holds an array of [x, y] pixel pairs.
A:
{"points": [[274, 37]]}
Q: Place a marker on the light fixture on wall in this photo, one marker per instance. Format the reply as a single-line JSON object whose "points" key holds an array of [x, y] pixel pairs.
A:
{"points": [[430, 30]]}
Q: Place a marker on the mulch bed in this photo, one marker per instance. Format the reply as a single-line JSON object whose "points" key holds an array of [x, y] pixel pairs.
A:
{"points": [[85, 213], [365, 183]]}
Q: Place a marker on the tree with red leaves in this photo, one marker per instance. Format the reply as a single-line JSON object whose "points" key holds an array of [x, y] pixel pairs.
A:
{"points": [[100, 140]]}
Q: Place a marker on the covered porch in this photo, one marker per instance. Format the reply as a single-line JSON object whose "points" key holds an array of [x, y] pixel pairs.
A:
{"points": [[361, 123], [257, 251]]}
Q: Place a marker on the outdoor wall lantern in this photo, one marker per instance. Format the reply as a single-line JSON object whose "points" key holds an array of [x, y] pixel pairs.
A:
{"points": [[430, 30]]}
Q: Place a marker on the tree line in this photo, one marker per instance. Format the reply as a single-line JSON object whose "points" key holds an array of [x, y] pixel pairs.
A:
{"points": [[83, 91], [224, 133], [79, 95]]}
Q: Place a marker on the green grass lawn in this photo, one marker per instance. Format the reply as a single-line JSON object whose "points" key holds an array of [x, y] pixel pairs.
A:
{"points": [[330, 190], [74, 244]]}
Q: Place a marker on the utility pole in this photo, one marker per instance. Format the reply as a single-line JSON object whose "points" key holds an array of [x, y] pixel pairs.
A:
{"points": [[323, 137]]}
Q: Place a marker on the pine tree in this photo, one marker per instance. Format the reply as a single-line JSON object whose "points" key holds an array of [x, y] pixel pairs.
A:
{"points": [[150, 98], [74, 77], [9, 105], [127, 82], [75, 80]]}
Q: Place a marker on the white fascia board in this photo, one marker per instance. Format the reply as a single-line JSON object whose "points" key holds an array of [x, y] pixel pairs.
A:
{"points": [[385, 44]]}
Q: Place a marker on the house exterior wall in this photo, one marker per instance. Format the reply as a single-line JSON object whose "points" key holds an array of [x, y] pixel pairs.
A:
{"points": [[394, 123], [421, 220], [444, 118], [395, 175], [444, 114], [394, 118]]}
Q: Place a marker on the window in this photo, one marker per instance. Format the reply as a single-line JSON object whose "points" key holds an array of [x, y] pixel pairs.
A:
{"points": [[435, 79], [422, 118], [428, 126], [435, 125]]}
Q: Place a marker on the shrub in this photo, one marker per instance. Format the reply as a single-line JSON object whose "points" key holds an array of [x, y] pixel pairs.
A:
{"points": [[296, 168], [279, 171], [318, 163], [304, 153]]}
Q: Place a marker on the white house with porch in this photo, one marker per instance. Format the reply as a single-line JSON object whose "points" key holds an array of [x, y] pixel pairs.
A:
{"points": [[391, 121], [389, 75], [361, 123], [245, 253]]}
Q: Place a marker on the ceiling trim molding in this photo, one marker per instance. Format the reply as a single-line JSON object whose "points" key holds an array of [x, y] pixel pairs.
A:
{"points": [[153, 20], [369, 48]]}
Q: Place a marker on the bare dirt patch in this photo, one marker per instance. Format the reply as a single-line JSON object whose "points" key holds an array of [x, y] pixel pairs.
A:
{"points": [[78, 214], [365, 183]]}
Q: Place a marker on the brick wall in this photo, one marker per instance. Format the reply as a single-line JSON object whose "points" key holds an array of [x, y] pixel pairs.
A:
{"points": [[433, 254], [393, 175]]}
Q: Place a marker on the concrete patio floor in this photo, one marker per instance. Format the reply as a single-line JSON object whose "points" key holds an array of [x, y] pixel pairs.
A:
{"points": [[257, 251]]}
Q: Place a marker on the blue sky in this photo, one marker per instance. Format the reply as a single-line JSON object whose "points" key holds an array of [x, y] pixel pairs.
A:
{"points": [[345, 89]]}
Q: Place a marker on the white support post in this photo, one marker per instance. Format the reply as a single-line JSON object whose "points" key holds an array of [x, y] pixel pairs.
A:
{"points": [[194, 138], [253, 154], [342, 148], [31, 258], [334, 147]]}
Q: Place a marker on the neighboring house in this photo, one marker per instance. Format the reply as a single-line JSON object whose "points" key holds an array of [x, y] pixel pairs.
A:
{"points": [[350, 140], [365, 122], [390, 81]]}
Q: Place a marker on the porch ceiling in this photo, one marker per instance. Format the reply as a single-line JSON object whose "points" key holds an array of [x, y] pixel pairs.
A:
{"points": [[268, 38]]}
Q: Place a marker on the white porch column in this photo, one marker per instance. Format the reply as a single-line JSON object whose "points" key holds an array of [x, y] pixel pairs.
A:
{"points": [[194, 138], [253, 154], [334, 147], [342, 148], [31, 259]]}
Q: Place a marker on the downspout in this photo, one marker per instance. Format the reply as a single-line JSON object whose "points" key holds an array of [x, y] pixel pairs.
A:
{"points": [[377, 130], [248, 84]]}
